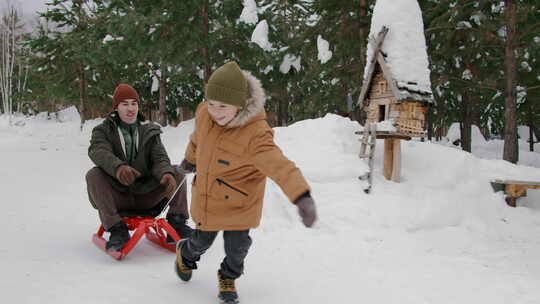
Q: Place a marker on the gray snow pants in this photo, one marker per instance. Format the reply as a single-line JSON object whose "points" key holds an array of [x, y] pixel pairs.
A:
{"points": [[110, 202], [237, 244]]}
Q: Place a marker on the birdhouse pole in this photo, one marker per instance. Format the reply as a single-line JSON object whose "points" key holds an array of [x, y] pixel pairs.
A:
{"points": [[392, 159]]}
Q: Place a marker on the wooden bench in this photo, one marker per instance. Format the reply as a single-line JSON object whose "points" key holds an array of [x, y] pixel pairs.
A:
{"points": [[513, 189]]}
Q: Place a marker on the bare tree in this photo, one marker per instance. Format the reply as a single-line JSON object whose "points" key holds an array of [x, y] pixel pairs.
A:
{"points": [[7, 58]]}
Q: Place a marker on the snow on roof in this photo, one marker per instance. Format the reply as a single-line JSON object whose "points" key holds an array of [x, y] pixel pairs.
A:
{"points": [[404, 47]]}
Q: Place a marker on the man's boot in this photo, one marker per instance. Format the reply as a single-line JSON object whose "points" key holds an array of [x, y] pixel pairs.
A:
{"points": [[178, 222], [119, 236], [227, 290], [183, 271]]}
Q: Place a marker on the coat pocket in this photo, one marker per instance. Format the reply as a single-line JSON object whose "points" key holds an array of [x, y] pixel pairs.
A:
{"points": [[232, 195]]}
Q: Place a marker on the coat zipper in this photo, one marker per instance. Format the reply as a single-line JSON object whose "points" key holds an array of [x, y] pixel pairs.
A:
{"points": [[233, 188]]}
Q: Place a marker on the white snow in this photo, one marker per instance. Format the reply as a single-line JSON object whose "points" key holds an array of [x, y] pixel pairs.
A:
{"points": [[155, 82], [440, 236], [288, 62], [260, 36], [111, 38], [478, 17], [492, 149], [249, 13], [523, 133], [68, 114], [404, 44], [467, 74], [454, 134], [463, 25], [324, 53], [268, 69], [386, 125]]}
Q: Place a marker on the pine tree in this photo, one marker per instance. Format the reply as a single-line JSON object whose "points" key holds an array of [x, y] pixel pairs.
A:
{"points": [[345, 24], [66, 54], [528, 51], [460, 35], [156, 39]]}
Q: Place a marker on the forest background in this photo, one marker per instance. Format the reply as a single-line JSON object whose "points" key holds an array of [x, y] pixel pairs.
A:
{"points": [[484, 59]]}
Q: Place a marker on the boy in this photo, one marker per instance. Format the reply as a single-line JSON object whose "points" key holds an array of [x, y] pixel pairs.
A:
{"points": [[232, 151]]}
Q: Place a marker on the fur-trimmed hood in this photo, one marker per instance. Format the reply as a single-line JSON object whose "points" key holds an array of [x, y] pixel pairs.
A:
{"points": [[254, 105]]}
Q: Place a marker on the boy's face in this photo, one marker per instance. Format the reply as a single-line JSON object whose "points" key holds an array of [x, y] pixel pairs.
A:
{"points": [[128, 110], [221, 113]]}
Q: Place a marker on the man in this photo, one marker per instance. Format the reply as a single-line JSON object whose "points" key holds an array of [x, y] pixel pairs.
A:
{"points": [[133, 172]]}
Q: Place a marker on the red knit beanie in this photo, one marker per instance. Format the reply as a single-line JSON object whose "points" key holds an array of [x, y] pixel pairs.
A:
{"points": [[123, 92]]}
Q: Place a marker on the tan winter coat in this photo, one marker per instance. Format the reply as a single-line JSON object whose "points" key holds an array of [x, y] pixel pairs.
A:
{"points": [[232, 165]]}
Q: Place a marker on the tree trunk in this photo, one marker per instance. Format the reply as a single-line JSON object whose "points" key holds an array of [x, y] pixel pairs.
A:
{"points": [[162, 93], [510, 152], [283, 113], [429, 122], [466, 137], [82, 94], [442, 128], [206, 46], [466, 123], [531, 138]]}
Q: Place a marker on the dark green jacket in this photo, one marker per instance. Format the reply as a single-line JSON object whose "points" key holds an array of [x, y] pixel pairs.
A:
{"points": [[151, 161]]}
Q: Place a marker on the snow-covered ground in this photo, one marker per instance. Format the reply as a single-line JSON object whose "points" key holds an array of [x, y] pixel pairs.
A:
{"points": [[440, 236]]}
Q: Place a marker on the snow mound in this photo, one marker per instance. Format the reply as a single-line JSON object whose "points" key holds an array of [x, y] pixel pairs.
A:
{"points": [[454, 134], [68, 114], [326, 149]]}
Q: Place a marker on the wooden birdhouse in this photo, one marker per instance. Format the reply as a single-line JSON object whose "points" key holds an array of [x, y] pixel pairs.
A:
{"points": [[385, 98], [396, 89]]}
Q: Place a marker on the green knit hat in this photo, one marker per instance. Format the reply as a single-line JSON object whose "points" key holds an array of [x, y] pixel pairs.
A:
{"points": [[228, 85]]}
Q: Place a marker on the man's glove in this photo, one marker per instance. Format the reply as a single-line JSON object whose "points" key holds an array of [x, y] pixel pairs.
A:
{"points": [[188, 167], [170, 184], [306, 209], [127, 174]]}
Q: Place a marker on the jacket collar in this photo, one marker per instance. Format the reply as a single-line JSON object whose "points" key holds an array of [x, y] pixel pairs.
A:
{"points": [[116, 118]]}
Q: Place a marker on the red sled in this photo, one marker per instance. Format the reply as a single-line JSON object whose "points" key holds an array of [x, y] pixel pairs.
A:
{"points": [[155, 229]]}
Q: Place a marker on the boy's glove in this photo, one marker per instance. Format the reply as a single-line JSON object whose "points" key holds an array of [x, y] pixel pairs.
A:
{"points": [[127, 174], [170, 183], [188, 167], [306, 209]]}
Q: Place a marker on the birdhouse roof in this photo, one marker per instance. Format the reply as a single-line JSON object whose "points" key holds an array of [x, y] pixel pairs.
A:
{"points": [[400, 49]]}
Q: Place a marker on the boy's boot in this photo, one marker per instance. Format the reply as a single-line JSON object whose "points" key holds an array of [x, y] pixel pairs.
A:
{"points": [[183, 271], [227, 290], [119, 236], [178, 222]]}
